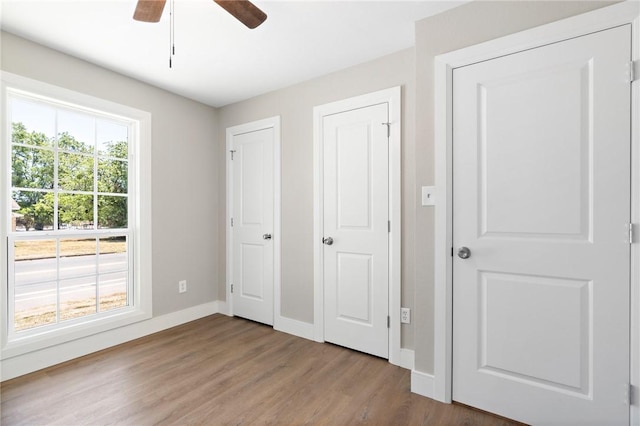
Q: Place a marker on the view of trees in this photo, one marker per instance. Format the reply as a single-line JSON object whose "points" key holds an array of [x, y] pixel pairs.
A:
{"points": [[33, 170]]}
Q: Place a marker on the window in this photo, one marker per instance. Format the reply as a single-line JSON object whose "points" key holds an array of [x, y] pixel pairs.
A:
{"points": [[73, 229]]}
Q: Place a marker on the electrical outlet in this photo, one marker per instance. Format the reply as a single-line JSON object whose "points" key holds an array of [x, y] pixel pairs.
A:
{"points": [[405, 315], [182, 286]]}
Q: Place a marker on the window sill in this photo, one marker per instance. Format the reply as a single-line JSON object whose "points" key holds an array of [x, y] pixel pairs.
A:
{"points": [[33, 342]]}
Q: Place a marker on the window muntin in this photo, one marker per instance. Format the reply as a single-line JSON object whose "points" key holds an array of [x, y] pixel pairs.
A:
{"points": [[69, 238]]}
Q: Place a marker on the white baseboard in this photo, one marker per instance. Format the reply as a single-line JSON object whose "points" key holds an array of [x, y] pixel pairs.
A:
{"points": [[37, 360], [307, 331], [407, 357], [223, 308], [422, 384], [295, 327]]}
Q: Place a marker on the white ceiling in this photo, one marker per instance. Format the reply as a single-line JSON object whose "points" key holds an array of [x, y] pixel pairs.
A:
{"points": [[219, 61]]}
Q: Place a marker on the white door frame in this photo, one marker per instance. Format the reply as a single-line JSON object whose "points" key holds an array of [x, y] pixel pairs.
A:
{"points": [[392, 96], [608, 17], [254, 126]]}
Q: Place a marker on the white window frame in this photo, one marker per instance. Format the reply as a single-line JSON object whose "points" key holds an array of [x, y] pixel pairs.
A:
{"points": [[139, 220]]}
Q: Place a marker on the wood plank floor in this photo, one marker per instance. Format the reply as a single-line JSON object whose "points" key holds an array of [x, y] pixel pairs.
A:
{"points": [[222, 370]]}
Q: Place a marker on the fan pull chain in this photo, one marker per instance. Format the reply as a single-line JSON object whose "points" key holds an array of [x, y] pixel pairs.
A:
{"points": [[173, 27], [172, 32]]}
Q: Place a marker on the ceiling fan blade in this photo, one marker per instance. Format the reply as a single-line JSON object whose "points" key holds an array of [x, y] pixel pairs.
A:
{"points": [[244, 11], [149, 10]]}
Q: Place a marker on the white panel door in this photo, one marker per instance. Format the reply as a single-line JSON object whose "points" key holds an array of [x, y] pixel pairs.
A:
{"points": [[356, 206], [541, 158], [252, 251]]}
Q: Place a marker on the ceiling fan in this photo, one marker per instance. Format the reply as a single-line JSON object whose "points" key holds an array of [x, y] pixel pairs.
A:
{"points": [[243, 10]]}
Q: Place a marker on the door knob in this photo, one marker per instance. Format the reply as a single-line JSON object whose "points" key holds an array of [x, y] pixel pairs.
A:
{"points": [[464, 253], [328, 241], [266, 237]]}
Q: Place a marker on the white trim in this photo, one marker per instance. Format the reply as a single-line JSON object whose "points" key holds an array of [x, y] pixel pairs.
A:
{"points": [[223, 308], [407, 358], [395, 216], [5, 185], [601, 19], [392, 96], [228, 228], [422, 384], [635, 218], [443, 266], [576, 26], [254, 126], [140, 220], [318, 207], [295, 327], [33, 361]]}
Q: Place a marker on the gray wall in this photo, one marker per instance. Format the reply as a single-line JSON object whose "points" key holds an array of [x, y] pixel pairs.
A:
{"points": [[184, 168], [295, 107], [188, 158], [464, 26], [413, 69]]}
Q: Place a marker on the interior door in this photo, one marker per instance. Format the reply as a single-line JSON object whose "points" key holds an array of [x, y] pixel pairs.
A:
{"points": [[253, 215], [356, 237], [541, 146]]}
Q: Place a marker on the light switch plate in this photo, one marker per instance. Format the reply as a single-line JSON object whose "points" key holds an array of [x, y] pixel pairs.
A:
{"points": [[428, 195]]}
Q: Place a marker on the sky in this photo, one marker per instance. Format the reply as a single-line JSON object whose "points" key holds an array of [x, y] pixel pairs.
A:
{"points": [[40, 117]]}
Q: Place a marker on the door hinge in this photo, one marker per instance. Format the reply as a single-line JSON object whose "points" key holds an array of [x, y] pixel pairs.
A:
{"points": [[388, 129], [451, 251], [633, 71], [388, 226], [631, 233], [629, 394], [388, 321], [233, 151], [232, 222], [231, 288]]}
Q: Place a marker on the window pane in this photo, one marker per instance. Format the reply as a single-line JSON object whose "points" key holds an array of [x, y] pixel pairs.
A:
{"points": [[76, 132], [113, 291], [35, 289], [77, 258], [75, 172], [112, 139], [31, 168], [77, 297], [35, 305], [32, 122], [112, 176], [112, 211], [69, 177], [113, 254], [35, 261], [75, 211], [36, 210]]}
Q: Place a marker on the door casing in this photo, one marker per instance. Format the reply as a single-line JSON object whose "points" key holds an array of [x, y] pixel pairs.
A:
{"points": [[274, 123], [439, 385], [392, 96]]}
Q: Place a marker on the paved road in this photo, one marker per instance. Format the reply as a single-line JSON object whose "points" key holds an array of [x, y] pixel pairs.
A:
{"points": [[35, 280]]}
